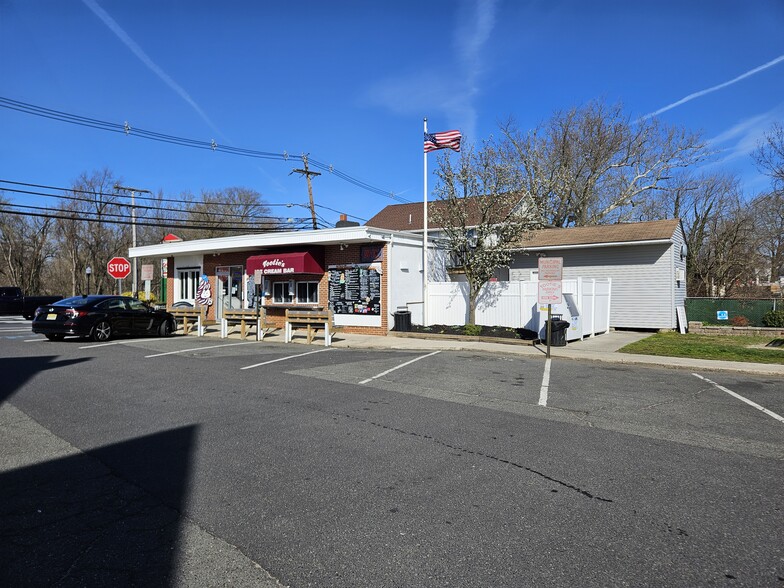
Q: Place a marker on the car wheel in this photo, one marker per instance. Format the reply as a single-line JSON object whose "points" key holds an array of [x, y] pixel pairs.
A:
{"points": [[165, 330], [102, 331], [55, 336]]}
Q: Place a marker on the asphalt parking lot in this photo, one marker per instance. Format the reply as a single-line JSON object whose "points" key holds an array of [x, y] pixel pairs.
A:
{"points": [[350, 467]]}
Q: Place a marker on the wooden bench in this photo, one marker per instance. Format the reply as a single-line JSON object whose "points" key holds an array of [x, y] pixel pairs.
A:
{"points": [[190, 317], [246, 319], [313, 321]]}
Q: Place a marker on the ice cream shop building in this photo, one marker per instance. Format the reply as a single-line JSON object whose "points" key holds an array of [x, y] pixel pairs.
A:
{"points": [[349, 269]]}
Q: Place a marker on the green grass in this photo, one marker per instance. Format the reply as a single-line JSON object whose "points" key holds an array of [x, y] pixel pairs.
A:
{"points": [[717, 347]]}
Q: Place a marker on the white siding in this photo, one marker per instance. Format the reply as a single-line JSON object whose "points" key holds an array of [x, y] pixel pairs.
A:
{"points": [[404, 283], [642, 280]]}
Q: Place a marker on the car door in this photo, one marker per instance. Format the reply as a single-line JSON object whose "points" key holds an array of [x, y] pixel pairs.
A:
{"points": [[117, 313], [142, 318]]}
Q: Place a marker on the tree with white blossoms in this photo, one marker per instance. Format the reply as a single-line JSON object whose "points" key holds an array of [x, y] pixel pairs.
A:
{"points": [[481, 215]]}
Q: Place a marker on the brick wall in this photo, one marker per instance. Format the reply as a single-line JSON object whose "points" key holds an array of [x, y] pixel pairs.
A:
{"points": [[333, 255]]}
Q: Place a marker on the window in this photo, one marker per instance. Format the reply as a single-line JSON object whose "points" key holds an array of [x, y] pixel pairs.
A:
{"points": [[307, 292], [302, 293], [189, 281]]}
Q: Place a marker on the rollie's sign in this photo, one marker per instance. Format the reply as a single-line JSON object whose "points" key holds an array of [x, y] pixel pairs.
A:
{"points": [[274, 267], [281, 264]]}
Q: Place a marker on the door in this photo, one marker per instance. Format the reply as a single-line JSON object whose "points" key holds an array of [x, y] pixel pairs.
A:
{"points": [[228, 294]]}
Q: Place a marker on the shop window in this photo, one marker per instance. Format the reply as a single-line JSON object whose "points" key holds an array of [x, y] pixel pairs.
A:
{"points": [[295, 292]]}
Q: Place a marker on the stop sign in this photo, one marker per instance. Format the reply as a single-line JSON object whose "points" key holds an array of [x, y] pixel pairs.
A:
{"points": [[118, 267]]}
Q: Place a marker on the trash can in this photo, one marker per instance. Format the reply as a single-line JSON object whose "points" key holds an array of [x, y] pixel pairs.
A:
{"points": [[402, 319], [558, 332]]}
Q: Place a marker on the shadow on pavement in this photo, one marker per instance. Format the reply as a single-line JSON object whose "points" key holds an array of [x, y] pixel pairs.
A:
{"points": [[16, 371], [107, 517]]}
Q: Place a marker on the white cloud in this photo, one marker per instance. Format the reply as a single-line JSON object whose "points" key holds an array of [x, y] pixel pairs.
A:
{"points": [[701, 93], [451, 92], [146, 60]]}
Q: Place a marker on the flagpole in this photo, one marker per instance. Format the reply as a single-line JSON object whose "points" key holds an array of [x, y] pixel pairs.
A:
{"points": [[424, 240]]}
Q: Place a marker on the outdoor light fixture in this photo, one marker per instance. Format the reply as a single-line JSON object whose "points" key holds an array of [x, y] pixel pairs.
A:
{"points": [[88, 270]]}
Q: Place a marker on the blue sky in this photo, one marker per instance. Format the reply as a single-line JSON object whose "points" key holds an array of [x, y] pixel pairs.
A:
{"points": [[350, 82]]}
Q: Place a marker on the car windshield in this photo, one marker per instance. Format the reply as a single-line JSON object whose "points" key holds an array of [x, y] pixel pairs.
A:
{"points": [[76, 301]]}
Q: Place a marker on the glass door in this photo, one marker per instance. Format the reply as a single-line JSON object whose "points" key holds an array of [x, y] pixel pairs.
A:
{"points": [[228, 294]]}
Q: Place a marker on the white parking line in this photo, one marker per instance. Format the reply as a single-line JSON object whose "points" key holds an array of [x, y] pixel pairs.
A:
{"points": [[14, 330], [739, 397], [198, 349], [100, 345], [247, 367], [33, 340], [545, 389], [398, 367]]}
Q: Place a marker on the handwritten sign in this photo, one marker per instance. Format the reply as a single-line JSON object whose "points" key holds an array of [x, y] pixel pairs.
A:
{"points": [[551, 269], [550, 292]]}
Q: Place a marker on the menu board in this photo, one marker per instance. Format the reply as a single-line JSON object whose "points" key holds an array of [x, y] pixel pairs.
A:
{"points": [[355, 290]]}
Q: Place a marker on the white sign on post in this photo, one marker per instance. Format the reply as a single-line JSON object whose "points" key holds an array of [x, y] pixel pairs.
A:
{"points": [[550, 292], [551, 269], [147, 272]]}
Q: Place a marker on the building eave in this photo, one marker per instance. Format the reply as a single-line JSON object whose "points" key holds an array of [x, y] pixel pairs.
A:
{"points": [[262, 241]]}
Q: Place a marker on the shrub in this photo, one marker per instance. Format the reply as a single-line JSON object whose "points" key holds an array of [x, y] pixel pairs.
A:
{"points": [[773, 318], [473, 330], [739, 321]]}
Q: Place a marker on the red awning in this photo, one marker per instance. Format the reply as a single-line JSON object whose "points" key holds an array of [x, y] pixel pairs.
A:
{"points": [[281, 264]]}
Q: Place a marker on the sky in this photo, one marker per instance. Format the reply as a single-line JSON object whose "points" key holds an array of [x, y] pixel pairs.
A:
{"points": [[350, 82]]}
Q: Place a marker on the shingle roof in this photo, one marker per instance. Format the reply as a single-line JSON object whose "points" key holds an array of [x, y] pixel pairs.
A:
{"points": [[410, 217], [621, 233]]}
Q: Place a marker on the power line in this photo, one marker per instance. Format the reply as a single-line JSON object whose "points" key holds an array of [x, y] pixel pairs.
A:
{"points": [[127, 130], [179, 211]]}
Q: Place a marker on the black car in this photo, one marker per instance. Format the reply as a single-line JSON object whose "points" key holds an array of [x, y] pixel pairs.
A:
{"points": [[100, 318]]}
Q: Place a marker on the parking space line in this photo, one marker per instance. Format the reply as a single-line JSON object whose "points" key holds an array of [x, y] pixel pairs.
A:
{"points": [[14, 330], [247, 367], [198, 349], [398, 367], [33, 340], [545, 389], [739, 397]]}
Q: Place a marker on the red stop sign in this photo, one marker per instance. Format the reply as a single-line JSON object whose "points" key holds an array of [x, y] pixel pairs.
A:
{"points": [[118, 267]]}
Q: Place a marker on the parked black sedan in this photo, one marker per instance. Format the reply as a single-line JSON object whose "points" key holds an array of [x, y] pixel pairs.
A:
{"points": [[100, 318]]}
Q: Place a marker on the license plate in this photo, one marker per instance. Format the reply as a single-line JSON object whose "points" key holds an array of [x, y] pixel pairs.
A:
{"points": [[51, 317]]}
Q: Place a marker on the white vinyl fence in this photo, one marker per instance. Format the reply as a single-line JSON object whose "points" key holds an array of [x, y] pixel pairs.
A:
{"points": [[514, 304]]}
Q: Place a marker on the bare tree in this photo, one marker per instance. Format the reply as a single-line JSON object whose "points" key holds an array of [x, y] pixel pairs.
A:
{"points": [[480, 215], [769, 155], [221, 210], [768, 211], [25, 248], [593, 164]]}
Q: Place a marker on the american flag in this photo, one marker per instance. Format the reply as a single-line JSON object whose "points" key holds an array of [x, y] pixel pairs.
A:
{"points": [[445, 140]]}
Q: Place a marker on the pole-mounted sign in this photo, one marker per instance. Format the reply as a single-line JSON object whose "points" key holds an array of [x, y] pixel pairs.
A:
{"points": [[118, 268]]}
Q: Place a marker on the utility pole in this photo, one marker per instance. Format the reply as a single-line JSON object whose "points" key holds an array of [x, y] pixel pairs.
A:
{"points": [[133, 227], [307, 173]]}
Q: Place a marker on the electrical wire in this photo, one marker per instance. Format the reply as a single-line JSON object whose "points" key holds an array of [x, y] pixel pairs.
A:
{"points": [[185, 142]]}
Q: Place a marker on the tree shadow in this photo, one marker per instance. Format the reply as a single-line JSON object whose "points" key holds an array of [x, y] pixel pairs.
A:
{"points": [[17, 371], [106, 517]]}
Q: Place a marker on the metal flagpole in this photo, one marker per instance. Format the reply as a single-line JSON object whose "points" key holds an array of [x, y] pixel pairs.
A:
{"points": [[424, 240]]}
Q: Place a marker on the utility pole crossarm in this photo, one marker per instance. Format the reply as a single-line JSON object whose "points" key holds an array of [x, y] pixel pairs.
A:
{"points": [[307, 173]]}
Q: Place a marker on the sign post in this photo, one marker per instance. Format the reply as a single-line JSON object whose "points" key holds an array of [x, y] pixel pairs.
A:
{"points": [[147, 273], [550, 289]]}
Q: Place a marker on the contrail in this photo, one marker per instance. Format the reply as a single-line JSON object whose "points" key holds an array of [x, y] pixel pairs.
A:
{"points": [[145, 59], [690, 97]]}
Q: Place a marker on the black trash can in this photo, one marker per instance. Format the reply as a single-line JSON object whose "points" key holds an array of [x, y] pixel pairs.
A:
{"points": [[402, 320], [558, 332]]}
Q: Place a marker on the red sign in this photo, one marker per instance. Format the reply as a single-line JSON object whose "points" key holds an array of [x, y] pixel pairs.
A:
{"points": [[279, 264], [118, 268]]}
